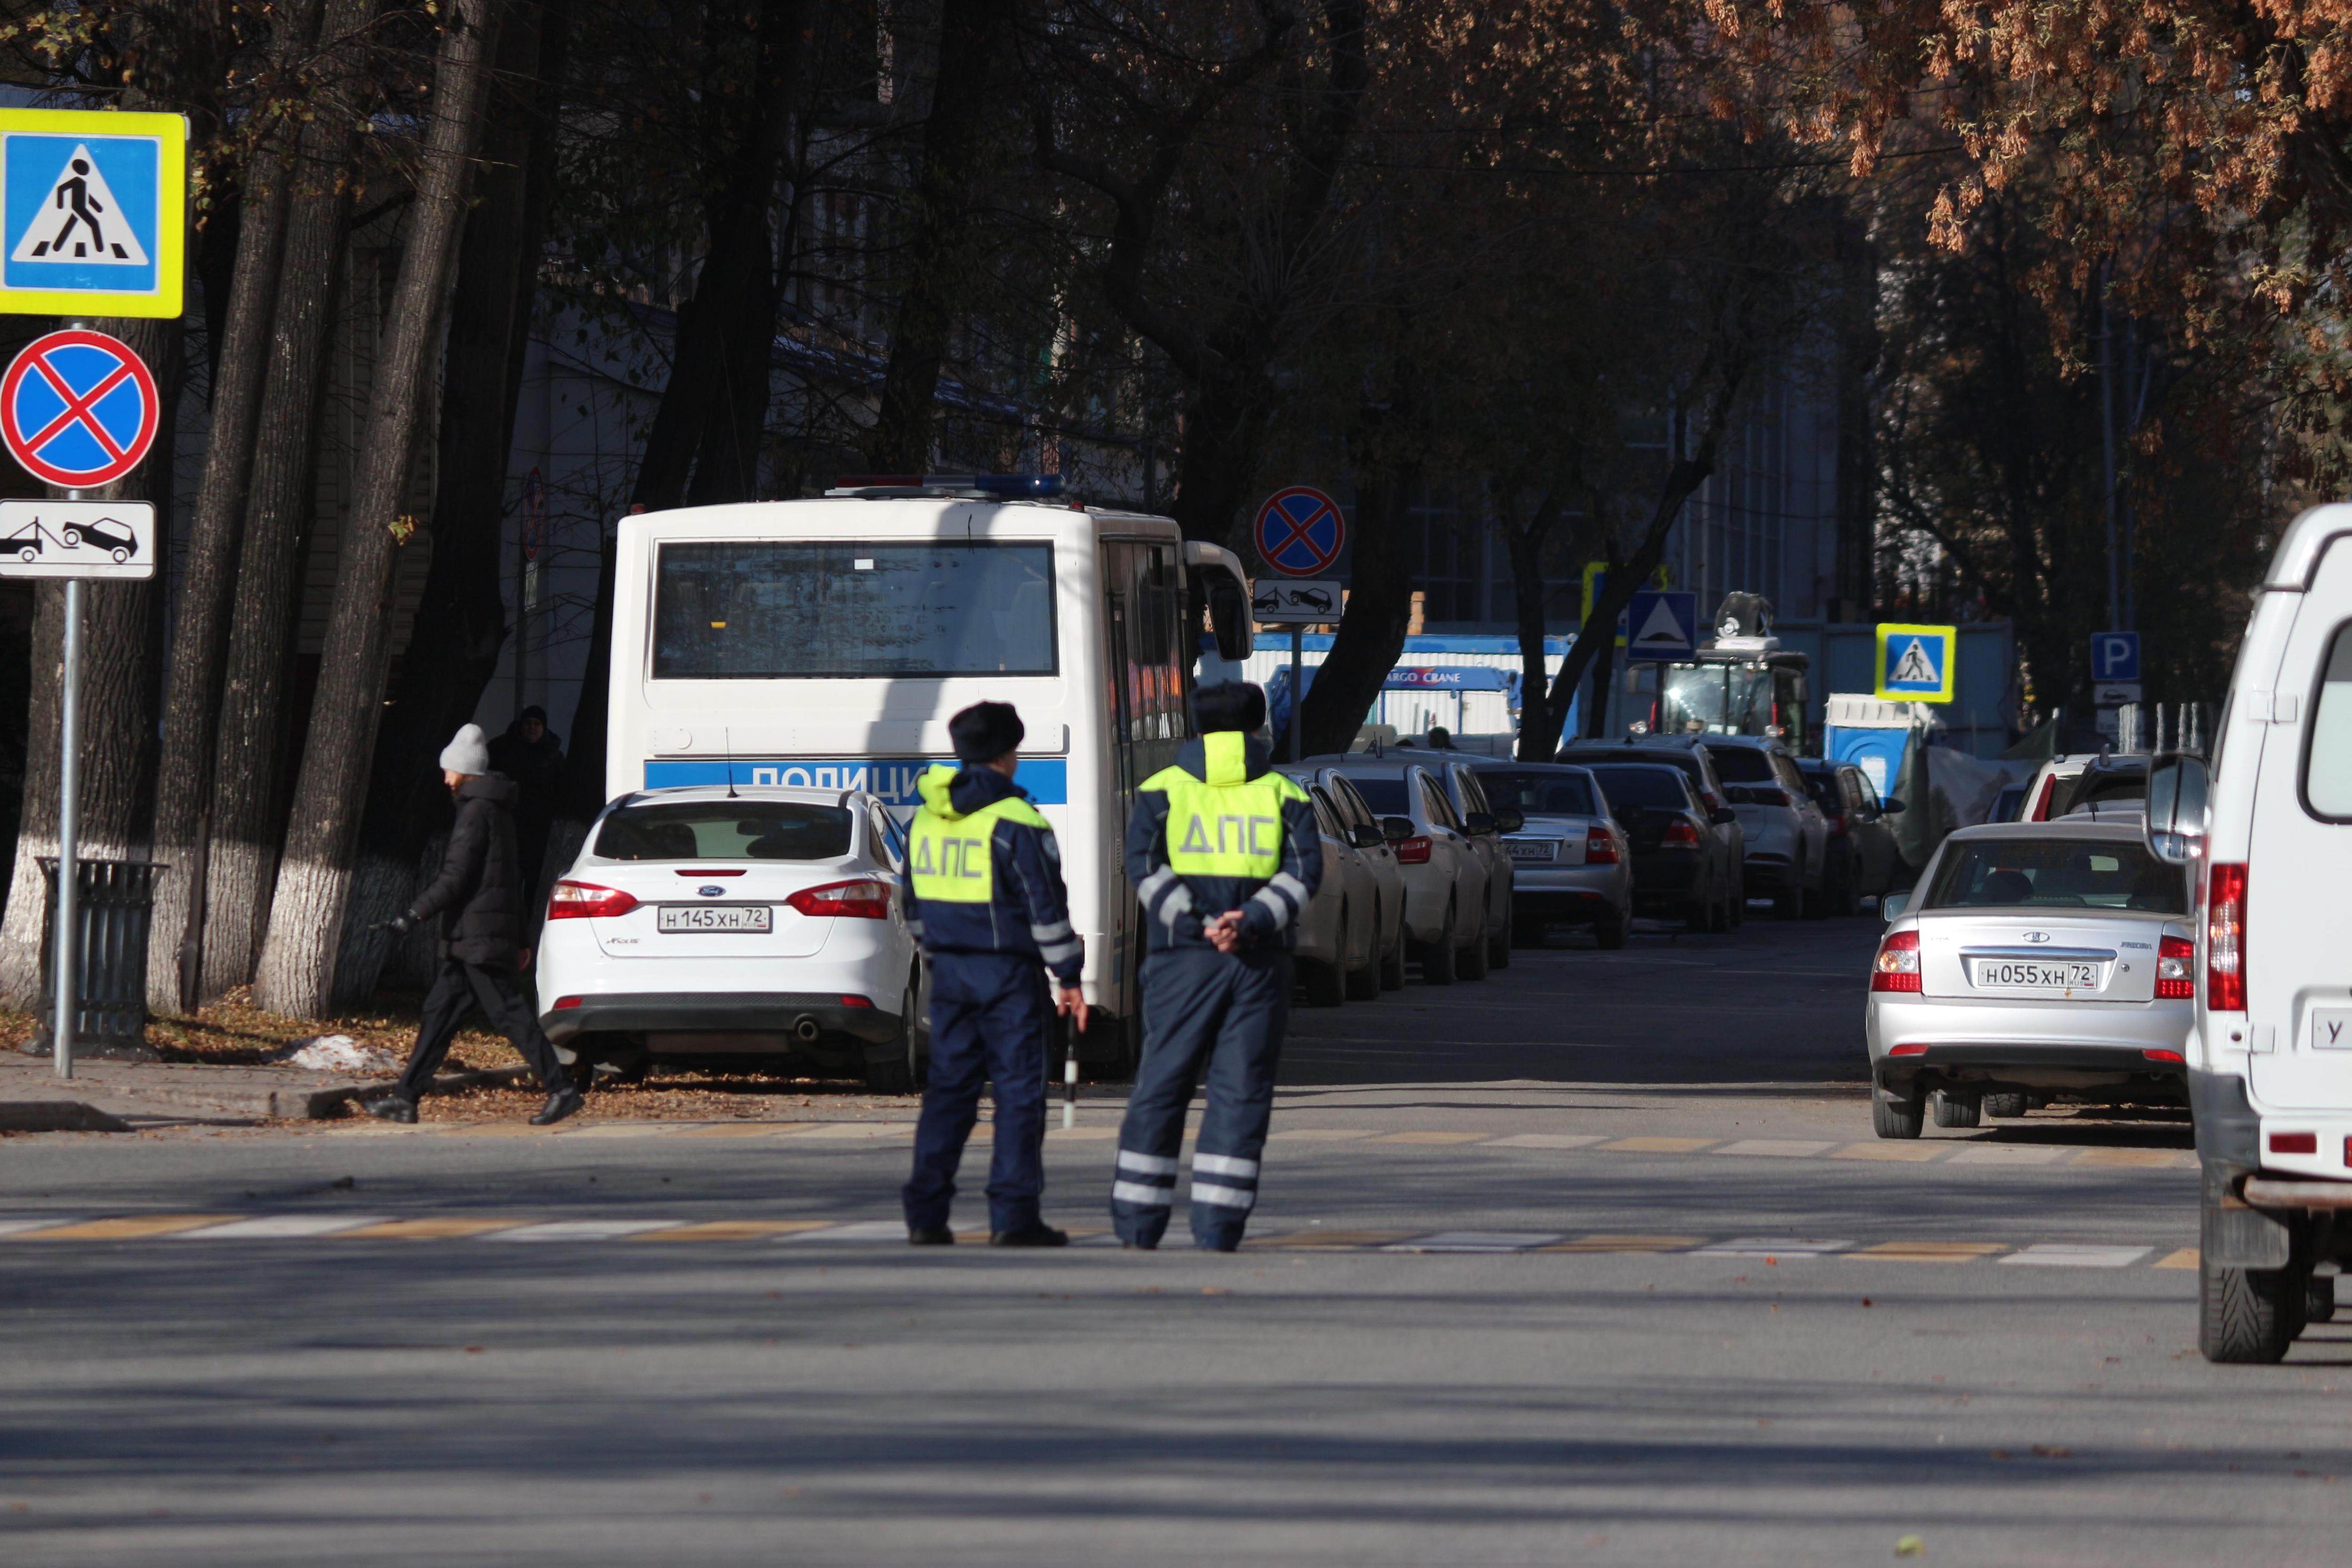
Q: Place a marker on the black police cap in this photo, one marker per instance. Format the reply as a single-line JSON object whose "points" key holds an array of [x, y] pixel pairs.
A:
{"points": [[985, 731], [1229, 705]]}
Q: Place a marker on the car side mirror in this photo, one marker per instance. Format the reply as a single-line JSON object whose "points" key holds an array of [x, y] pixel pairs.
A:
{"points": [[1738, 795], [1890, 806], [1366, 836], [1396, 830], [1510, 821], [1479, 822], [1892, 905], [1722, 814], [2179, 790]]}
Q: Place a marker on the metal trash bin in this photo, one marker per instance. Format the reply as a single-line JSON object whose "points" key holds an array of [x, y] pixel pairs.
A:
{"points": [[114, 905]]}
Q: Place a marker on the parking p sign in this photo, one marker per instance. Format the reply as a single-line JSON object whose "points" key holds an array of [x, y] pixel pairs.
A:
{"points": [[2114, 656], [1916, 664]]}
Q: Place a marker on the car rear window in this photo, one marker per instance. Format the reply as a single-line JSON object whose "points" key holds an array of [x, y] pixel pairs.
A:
{"points": [[2328, 760], [1741, 765], [2055, 873], [725, 830], [1563, 794], [1652, 788], [1384, 796], [1823, 788]]}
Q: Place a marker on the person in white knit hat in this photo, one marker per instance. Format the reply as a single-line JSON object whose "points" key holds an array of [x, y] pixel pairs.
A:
{"points": [[479, 897]]}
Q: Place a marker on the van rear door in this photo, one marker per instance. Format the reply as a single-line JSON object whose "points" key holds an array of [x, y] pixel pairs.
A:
{"points": [[2299, 867]]}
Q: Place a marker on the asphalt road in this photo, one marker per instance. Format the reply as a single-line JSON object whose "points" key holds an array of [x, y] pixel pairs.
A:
{"points": [[1595, 1261]]}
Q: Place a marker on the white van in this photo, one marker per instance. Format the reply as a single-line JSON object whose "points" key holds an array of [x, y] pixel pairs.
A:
{"points": [[2268, 825]]}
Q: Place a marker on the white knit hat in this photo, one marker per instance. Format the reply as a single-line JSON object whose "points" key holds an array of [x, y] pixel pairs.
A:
{"points": [[467, 752]]}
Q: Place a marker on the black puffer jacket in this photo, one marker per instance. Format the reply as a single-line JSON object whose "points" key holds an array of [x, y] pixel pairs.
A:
{"points": [[480, 893]]}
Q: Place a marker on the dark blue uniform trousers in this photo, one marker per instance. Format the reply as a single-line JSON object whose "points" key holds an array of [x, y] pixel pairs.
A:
{"points": [[1211, 1018], [988, 1021]]}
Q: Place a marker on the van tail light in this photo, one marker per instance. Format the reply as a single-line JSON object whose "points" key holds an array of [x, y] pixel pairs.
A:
{"points": [[2225, 939], [858, 899], [1414, 851], [587, 901], [1600, 846], [2175, 970], [1898, 968], [1679, 835], [2294, 1143]]}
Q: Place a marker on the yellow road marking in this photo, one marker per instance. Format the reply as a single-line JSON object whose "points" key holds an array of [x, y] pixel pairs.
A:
{"points": [[2136, 1159], [1659, 1145], [1319, 1134], [1624, 1243], [1779, 1148], [1915, 1153], [1311, 1240], [1928, 1251], [1430, 1138], [744, 1129], [124, 1228], [731, 1230], [2184, 1258], [425, 1229]]}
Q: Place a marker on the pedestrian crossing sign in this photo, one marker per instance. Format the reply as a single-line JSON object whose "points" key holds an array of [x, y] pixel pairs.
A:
{"points": [[93, 212], [1916, 663]]}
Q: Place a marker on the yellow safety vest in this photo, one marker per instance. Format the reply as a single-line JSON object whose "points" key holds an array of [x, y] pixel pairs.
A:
{"points": [[1227, 824], [949, 858]]}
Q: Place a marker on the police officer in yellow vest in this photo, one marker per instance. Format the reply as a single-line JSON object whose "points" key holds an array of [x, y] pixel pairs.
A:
{"points": [[986, 900], [1224, 853]]}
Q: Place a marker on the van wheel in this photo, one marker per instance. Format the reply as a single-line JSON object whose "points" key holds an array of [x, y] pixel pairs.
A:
{"points": [[1957, 1110], [1609, 931], [2005, 1106], [1438, 959], [1894, 1118], [1392, 965], [1364, 984], [2247, 1316]]}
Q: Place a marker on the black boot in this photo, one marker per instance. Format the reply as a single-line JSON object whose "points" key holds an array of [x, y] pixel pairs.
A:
{"points": [[930, 1235], [391, 1108], [1035, 1234], [559, 1104]]}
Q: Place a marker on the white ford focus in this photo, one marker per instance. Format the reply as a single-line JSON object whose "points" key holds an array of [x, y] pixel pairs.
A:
{"points": [[737, 923], [2033, 958]]}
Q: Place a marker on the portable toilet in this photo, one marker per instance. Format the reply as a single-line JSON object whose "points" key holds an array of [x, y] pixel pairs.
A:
{"points": [[1871, 733]]}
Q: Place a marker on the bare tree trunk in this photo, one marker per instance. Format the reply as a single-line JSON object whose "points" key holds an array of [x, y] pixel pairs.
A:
{"points": [[1526, 544], [118, 714], [306, 918], [208, 579], [443, 674], [964, 97]]}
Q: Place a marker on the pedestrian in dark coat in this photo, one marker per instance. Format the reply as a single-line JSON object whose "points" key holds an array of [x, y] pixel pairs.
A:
{"points": [[532, 755], [480, 897]]}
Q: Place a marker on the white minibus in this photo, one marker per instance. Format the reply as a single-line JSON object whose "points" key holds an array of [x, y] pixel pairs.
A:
{"points": [[825, 642]]}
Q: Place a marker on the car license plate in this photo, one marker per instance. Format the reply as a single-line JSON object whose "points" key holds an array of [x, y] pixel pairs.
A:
{"points": [[2031, 975], [1532, 848], [717, 917]]}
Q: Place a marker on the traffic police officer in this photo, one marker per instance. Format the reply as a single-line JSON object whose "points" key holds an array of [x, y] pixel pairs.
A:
{"points": [[1225, 855], [986, 900]]}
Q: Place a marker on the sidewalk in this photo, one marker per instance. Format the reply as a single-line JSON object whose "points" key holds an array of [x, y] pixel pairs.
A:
{"points": [[114, 1095]]}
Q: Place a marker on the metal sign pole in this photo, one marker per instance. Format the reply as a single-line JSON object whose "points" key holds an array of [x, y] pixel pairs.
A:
{"points": [[1297, 693], [63, 1013]]}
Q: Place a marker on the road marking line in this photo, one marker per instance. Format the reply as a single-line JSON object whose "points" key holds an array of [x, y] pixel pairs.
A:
{"points": [[47, 1222], [1477, 1241], [2005, 1154], [2132, 1159], [425, 1229], [2184, 1258], [849, 1131], [1430, 1138], [1659, 1145], [1771, 1246], [628, 1129], [2068, 1254], [581, 1230], [1626, 1243], [280, 1227], [1913, 1153], [125, 1227], [1926, 1251], [744, 1129], [1325, 1240], [731, 1230], [1548, 1141], [1779, 1148], [863, 1231], [1319, 1134]]}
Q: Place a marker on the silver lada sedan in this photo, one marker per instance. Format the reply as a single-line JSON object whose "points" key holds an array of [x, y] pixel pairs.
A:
{"points": [[2033, 958]]}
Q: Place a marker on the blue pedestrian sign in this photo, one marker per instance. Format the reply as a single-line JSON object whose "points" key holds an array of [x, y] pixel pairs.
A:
{"points": [[1661, 625], [1916, 664], [2114, 656], [93, 212], [1300, 532]]}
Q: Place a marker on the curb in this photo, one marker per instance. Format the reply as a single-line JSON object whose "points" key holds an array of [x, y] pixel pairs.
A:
{"points": [[324, 1104], [56, 1116]]}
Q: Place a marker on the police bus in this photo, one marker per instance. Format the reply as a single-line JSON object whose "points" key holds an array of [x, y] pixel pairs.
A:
{"points": [[825, 642]]}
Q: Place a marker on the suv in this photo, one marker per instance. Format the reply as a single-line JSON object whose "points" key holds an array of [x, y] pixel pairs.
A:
{"points": [[1714, 800], [2269, 829], [1787, 838]]}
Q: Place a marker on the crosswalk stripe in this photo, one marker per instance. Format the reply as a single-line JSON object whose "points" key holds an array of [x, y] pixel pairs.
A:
{"points": [[733, 1230], [2182, 1258], [2069, 1255], [1626, 1243], [126, 1228], [1925, 1251], [1325, 1240], [1658, 1145]]}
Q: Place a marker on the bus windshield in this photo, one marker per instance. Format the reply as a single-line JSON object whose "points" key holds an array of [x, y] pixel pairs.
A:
{"points": [[765, 610]]}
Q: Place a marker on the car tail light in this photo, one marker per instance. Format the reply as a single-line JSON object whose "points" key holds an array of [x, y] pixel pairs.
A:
{"points": [[1600, 846], [1414, 851], [2225, 939], [2165, 1057], [1898, 968], [2176, 974], [857, 1001], [587, 901], [2040, 812], [859, 899], [2294, 1143], [562, 1002], [1907, 1051], [1679, 835]]}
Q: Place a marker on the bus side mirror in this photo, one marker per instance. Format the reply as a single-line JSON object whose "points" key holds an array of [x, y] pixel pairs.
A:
{"points": [[2179, 791]]}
